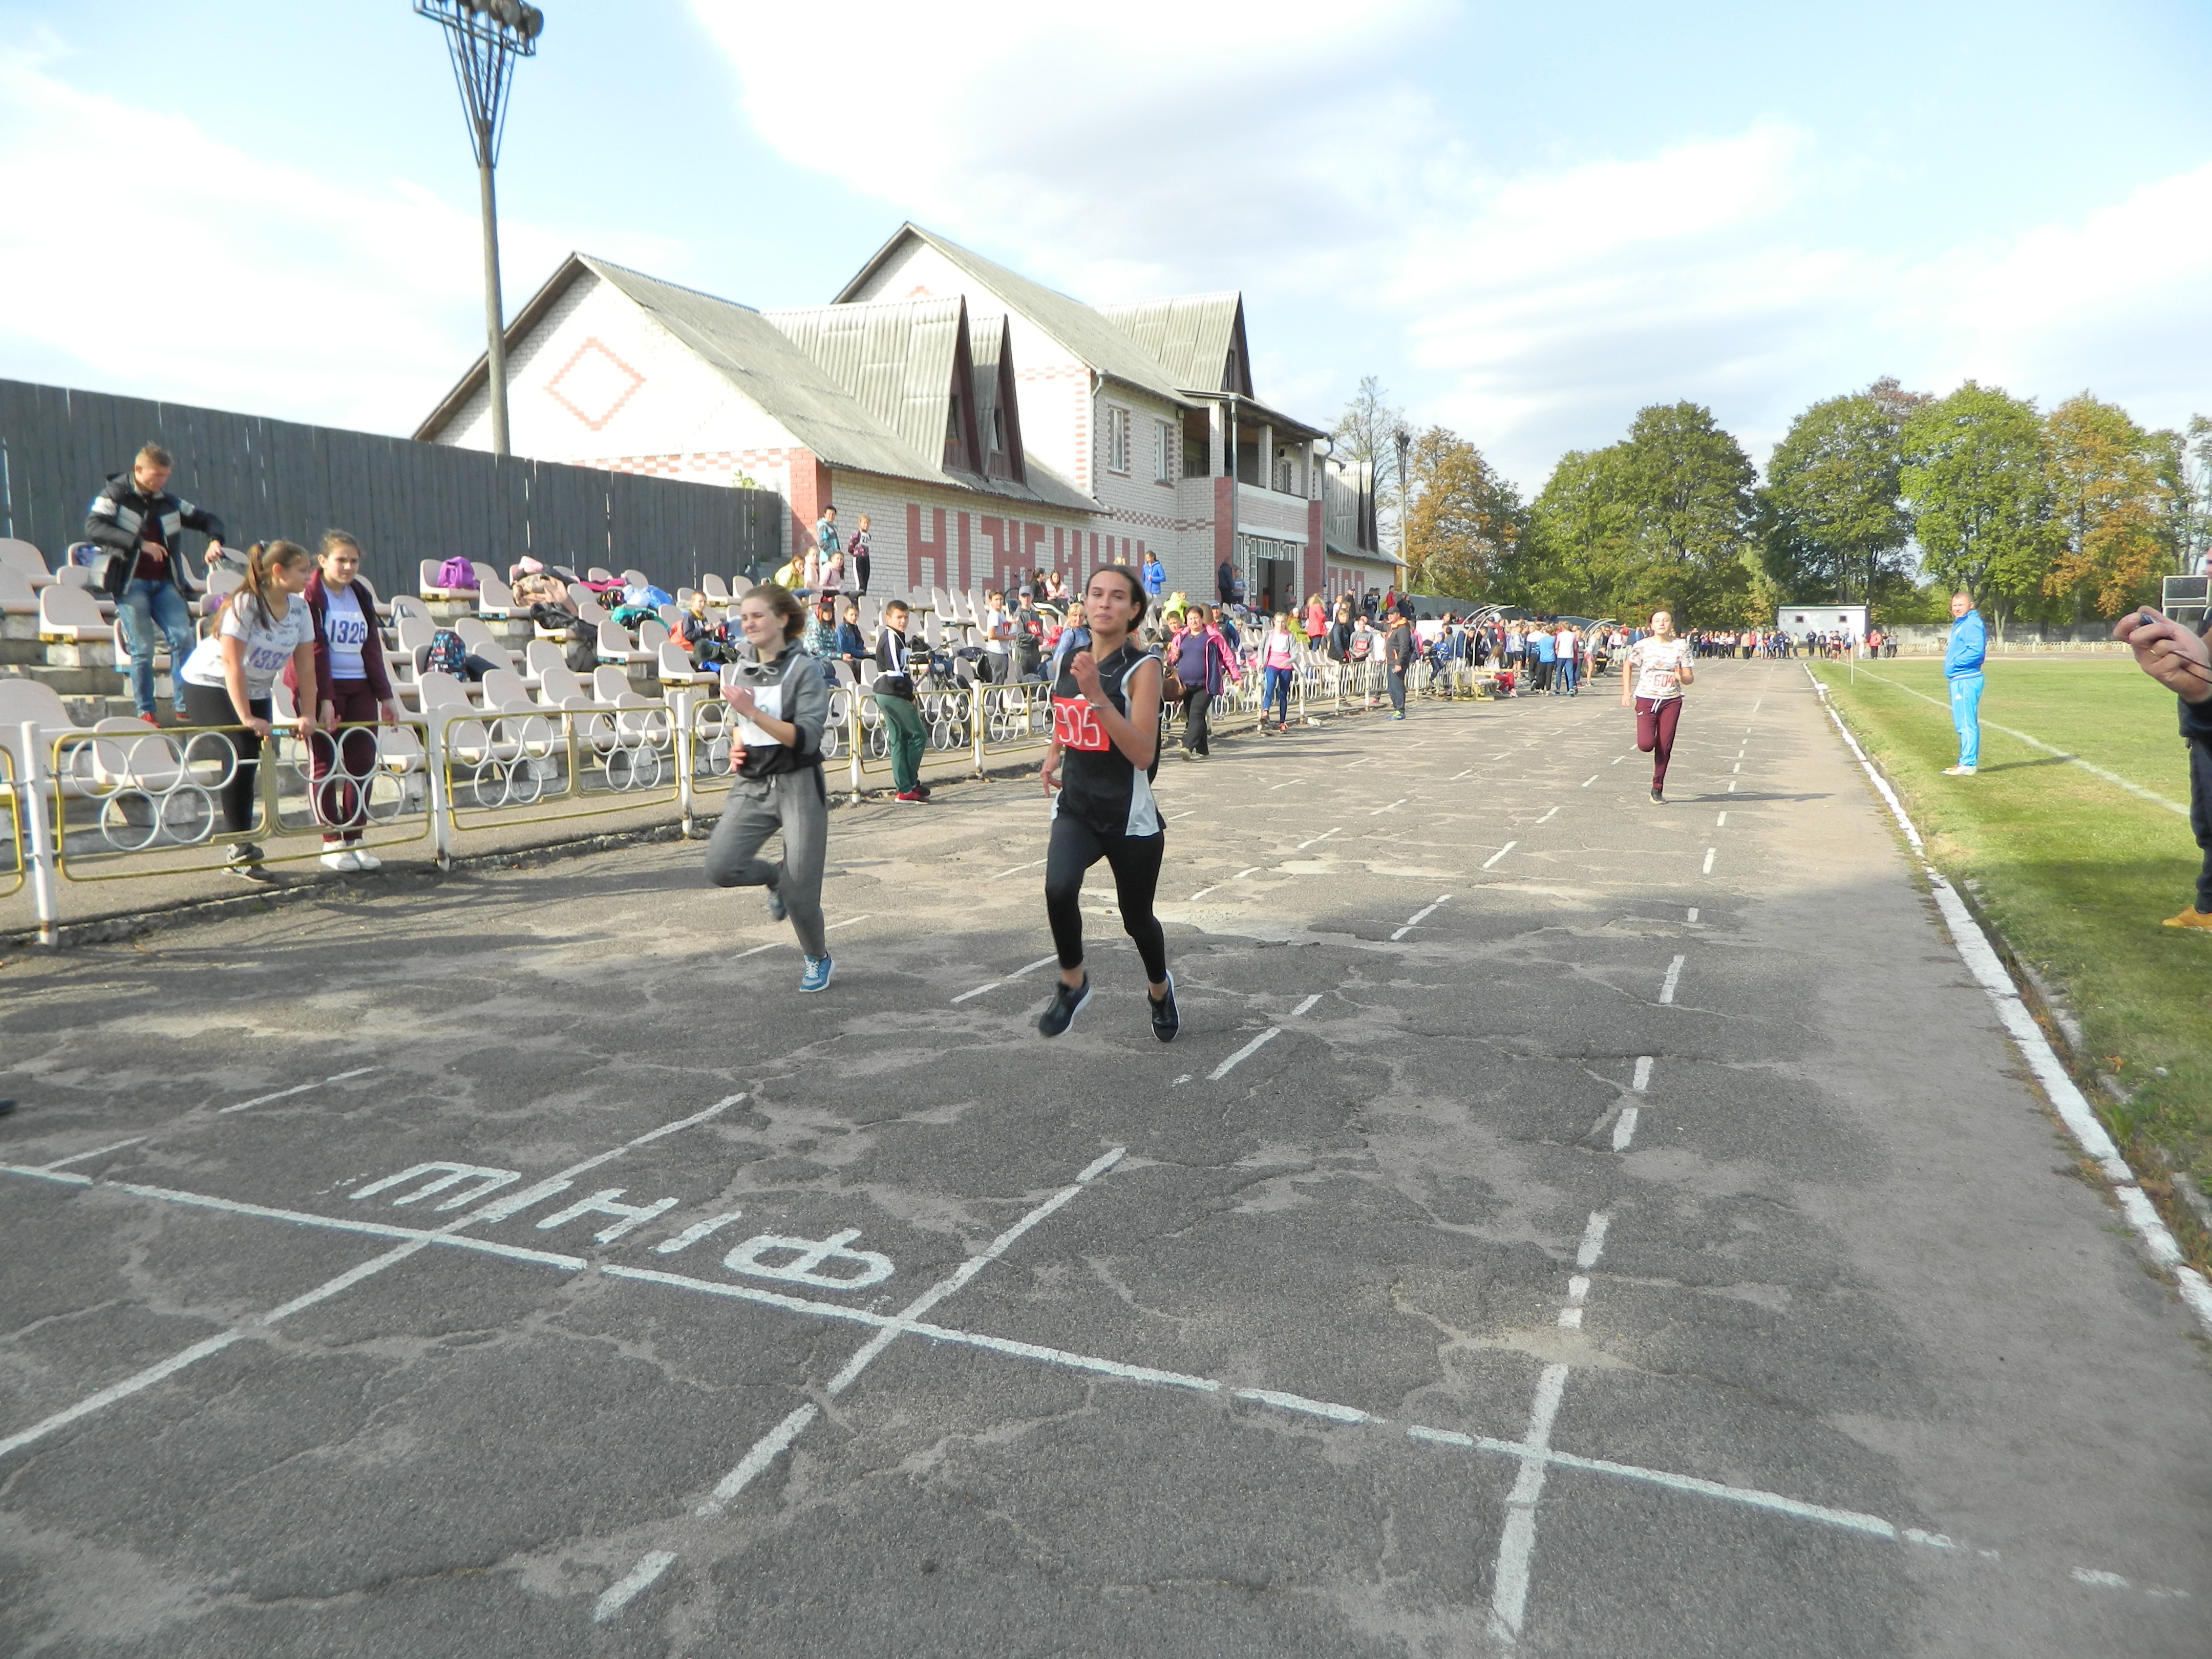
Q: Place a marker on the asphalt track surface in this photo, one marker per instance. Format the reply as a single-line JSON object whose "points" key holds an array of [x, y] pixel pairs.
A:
{"points": [[1564, 1226]]}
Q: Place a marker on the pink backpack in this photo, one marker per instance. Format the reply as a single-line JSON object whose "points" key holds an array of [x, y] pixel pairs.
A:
{"points": [[457, 573]]}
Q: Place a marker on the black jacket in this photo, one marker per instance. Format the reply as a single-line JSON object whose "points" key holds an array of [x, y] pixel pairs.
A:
{"points": [[118, 518]]}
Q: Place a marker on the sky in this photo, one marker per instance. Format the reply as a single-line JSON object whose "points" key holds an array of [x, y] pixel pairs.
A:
{"points": [[1527, 221]]}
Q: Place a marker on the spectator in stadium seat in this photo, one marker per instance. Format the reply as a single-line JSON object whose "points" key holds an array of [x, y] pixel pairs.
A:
{"points": [[2178, 657], [699, 634], [852, 644], [353, 692]]}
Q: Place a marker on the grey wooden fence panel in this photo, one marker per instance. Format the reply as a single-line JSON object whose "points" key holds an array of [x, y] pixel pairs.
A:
{"points": [[405, 501]]}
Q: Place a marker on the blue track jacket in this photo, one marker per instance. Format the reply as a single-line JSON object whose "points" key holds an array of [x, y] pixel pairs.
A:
{"points": [[1970, 643]]}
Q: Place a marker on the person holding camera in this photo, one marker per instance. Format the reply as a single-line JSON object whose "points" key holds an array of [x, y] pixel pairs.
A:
{"points": [[2178, 658], [782, 705], [134, 515]]}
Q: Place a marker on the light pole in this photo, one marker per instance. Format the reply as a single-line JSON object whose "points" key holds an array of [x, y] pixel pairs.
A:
{"points": [[1405, 441], [485, 37]]}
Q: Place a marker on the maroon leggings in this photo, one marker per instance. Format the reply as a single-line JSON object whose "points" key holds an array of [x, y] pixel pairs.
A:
{"points": [[341, 763], [1655, 721]]}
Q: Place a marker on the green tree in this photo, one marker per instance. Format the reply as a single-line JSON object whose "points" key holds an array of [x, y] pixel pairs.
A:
{"points": [[1975, 484], [2108, 504], [2184, 470], [1688, 485], [1580, 552], [1464, 528], [1830, 523]]}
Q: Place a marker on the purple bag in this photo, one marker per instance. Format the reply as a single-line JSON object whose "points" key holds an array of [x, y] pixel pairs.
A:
{"points": [[457, 573]]}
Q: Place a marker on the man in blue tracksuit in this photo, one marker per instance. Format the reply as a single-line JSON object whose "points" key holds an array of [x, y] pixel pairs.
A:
{"points": [[1962, 666]]}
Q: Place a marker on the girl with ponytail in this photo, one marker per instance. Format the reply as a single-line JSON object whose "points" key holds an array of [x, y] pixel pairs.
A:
{"points": [[262, 629]]}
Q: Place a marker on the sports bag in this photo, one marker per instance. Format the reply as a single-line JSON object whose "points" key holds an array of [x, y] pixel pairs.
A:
{"points": [[457, 572]]}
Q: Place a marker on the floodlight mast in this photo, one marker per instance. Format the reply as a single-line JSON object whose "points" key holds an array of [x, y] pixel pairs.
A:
{"points": [[484, 38]]}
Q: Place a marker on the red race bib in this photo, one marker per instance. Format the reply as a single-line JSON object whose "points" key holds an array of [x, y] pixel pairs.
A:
{"points": [[1075, 724]]}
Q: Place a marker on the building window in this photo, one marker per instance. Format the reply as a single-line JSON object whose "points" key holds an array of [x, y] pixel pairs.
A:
{"points": [[1117, 439], [1164, 439], [997, 431]]}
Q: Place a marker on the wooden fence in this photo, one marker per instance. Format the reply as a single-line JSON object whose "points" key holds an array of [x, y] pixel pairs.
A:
{"points": [[406, 501]]}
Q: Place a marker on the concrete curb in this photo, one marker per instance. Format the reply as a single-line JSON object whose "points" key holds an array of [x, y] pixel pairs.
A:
{"points": [[1985, 960]]}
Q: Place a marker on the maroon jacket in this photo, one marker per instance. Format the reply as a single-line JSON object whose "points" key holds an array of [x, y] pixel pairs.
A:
{"points": [[372, 653]]}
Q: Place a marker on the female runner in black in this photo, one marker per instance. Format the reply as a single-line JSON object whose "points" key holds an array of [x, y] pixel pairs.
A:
{"points": [[1105, 751]]}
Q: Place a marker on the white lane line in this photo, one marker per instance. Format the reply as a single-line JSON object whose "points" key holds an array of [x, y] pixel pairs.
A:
{"points": [[772, 945], [79, 1157], [263, 1100], [1710, 852], [1026, 968], [1509, 1595], [849, 922], [1731, 788], [1499, 853], [1754, 707], [1591, 780], [1738, 767], [1674, 978], [978, 991], [1243, 1054], [1392, 807], [1456, 776], [1241, 874], [1693, 913], [1307, 1004], [1592, 1244], [639, 1578], [1298, 1402], [1019, 868], [1420, 916], [1324, 835], [1284, 784], [1641, 1080], [1200, 894], [1547, 819], [1617, 759], [1170, 819], [1721, 822], [778, 1439], [1624, 1126]]}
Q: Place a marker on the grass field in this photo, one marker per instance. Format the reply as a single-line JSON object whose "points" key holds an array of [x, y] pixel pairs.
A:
{"points": [[2076, 870]]}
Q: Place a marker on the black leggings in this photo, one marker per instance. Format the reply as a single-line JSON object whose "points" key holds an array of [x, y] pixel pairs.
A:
{"points": [[1135, 861], [211, 705]]}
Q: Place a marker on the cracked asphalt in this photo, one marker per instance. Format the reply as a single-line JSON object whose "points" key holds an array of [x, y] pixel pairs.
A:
{"points": [[1644, 1251]]}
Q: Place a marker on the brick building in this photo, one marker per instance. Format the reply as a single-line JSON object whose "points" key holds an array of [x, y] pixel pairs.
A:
{"points": [[984, 422]]}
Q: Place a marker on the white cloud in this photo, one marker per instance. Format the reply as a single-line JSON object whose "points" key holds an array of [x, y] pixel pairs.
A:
{"points": [[142, 255]]}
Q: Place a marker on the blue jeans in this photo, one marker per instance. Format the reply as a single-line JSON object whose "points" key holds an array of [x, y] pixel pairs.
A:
{"points": [[1275, 693], [150, 610], [1566, 680], [1966, 715]]}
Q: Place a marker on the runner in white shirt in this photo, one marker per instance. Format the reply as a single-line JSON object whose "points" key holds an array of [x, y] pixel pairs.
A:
{"points": [[1656, 669]]}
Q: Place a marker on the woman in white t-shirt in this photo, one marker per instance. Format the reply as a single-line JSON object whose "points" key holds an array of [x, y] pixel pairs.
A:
{"points": [[1656, 669], [262, 629]]}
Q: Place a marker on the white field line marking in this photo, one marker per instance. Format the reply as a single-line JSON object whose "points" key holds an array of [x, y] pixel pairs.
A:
{"points": [[198, 1351], [978, 991], [1617, 759], [1624, 1126], [1241, 874], [263, 1100], [1499, 853], [1298, 1402], [1754, 707], [2072, 759], [1721, 822], [1008, 1346], [1547, 819], [1170, 819], [1420, 916], [1693, 913], [1019, 868], [1456, 776], [766, 1449], [79, 1157], [1641, 1080], [772, 945], [1508, 1596], [1591, 780], [1200, 894], [2066, 1097], [1738, 767], [1731, 788], [1674, 978], [1307, 1004], [1324, 835], [1243, 1054], [1710, 853], [848, 922], [1393, 806], [618, 1596], [1284, 784]]}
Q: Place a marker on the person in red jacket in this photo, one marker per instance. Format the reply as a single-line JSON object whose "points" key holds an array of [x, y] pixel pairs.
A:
{"points": [[354, 692]]}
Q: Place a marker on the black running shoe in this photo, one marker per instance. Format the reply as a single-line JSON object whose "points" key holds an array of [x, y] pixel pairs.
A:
{"points": [[1166, 1022], [1657, 799], [1067, 1003]]}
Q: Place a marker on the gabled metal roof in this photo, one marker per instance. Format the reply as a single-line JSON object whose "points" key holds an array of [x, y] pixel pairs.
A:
{"points": [[1191, 337], [1085, 334], [897, 361]]}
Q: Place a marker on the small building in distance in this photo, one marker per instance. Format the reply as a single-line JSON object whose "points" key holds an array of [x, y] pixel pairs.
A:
{"points": [[986, 424], [1849, 620]]}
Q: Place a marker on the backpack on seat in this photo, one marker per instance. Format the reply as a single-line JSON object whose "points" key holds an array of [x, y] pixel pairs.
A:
{"points": [[457, 573]]}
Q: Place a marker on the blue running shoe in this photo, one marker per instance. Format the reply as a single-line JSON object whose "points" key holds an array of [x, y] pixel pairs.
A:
{"points": [[816, 976]]}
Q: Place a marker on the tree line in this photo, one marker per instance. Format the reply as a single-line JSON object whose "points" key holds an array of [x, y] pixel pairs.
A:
{"points": [[1884, 497]]}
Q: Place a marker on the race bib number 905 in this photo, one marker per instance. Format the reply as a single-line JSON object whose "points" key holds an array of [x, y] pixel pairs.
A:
{"points": [[1075, 724]]}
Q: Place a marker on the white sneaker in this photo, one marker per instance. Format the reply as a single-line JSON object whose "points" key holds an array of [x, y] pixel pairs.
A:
{"points": [[365, 860], [341, 860]]}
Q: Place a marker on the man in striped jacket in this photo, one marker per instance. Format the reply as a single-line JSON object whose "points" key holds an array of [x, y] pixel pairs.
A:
{"points": [[135, 515]]}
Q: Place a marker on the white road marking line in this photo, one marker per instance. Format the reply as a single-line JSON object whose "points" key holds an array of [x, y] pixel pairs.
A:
{"points": [[1617, 759], [1623, 1128], [1324, 835], [1731, 788], [418, 1239], [1693, 913], [1199, 894], [1754, 707], [1591, 780], [1243, 1054], [772, 945], [848, 922], [1241, 874], [1721, 822], [1641, 1080], [1738, 767], [1170, 819], [1393, 806], [1185, 1078], [766, 1449], [1674, 978], [618, 1596], [1031, 865], [1499, 853], [1508, 1596], [1307, 1004], [1710, 852], [79, 1157], [1456, 776], [1031, 968], [1593, 1240], [1284, 784], [1297, 1402], [979, 991], [263, 1100], [1547, 819], [1420, 916]]}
